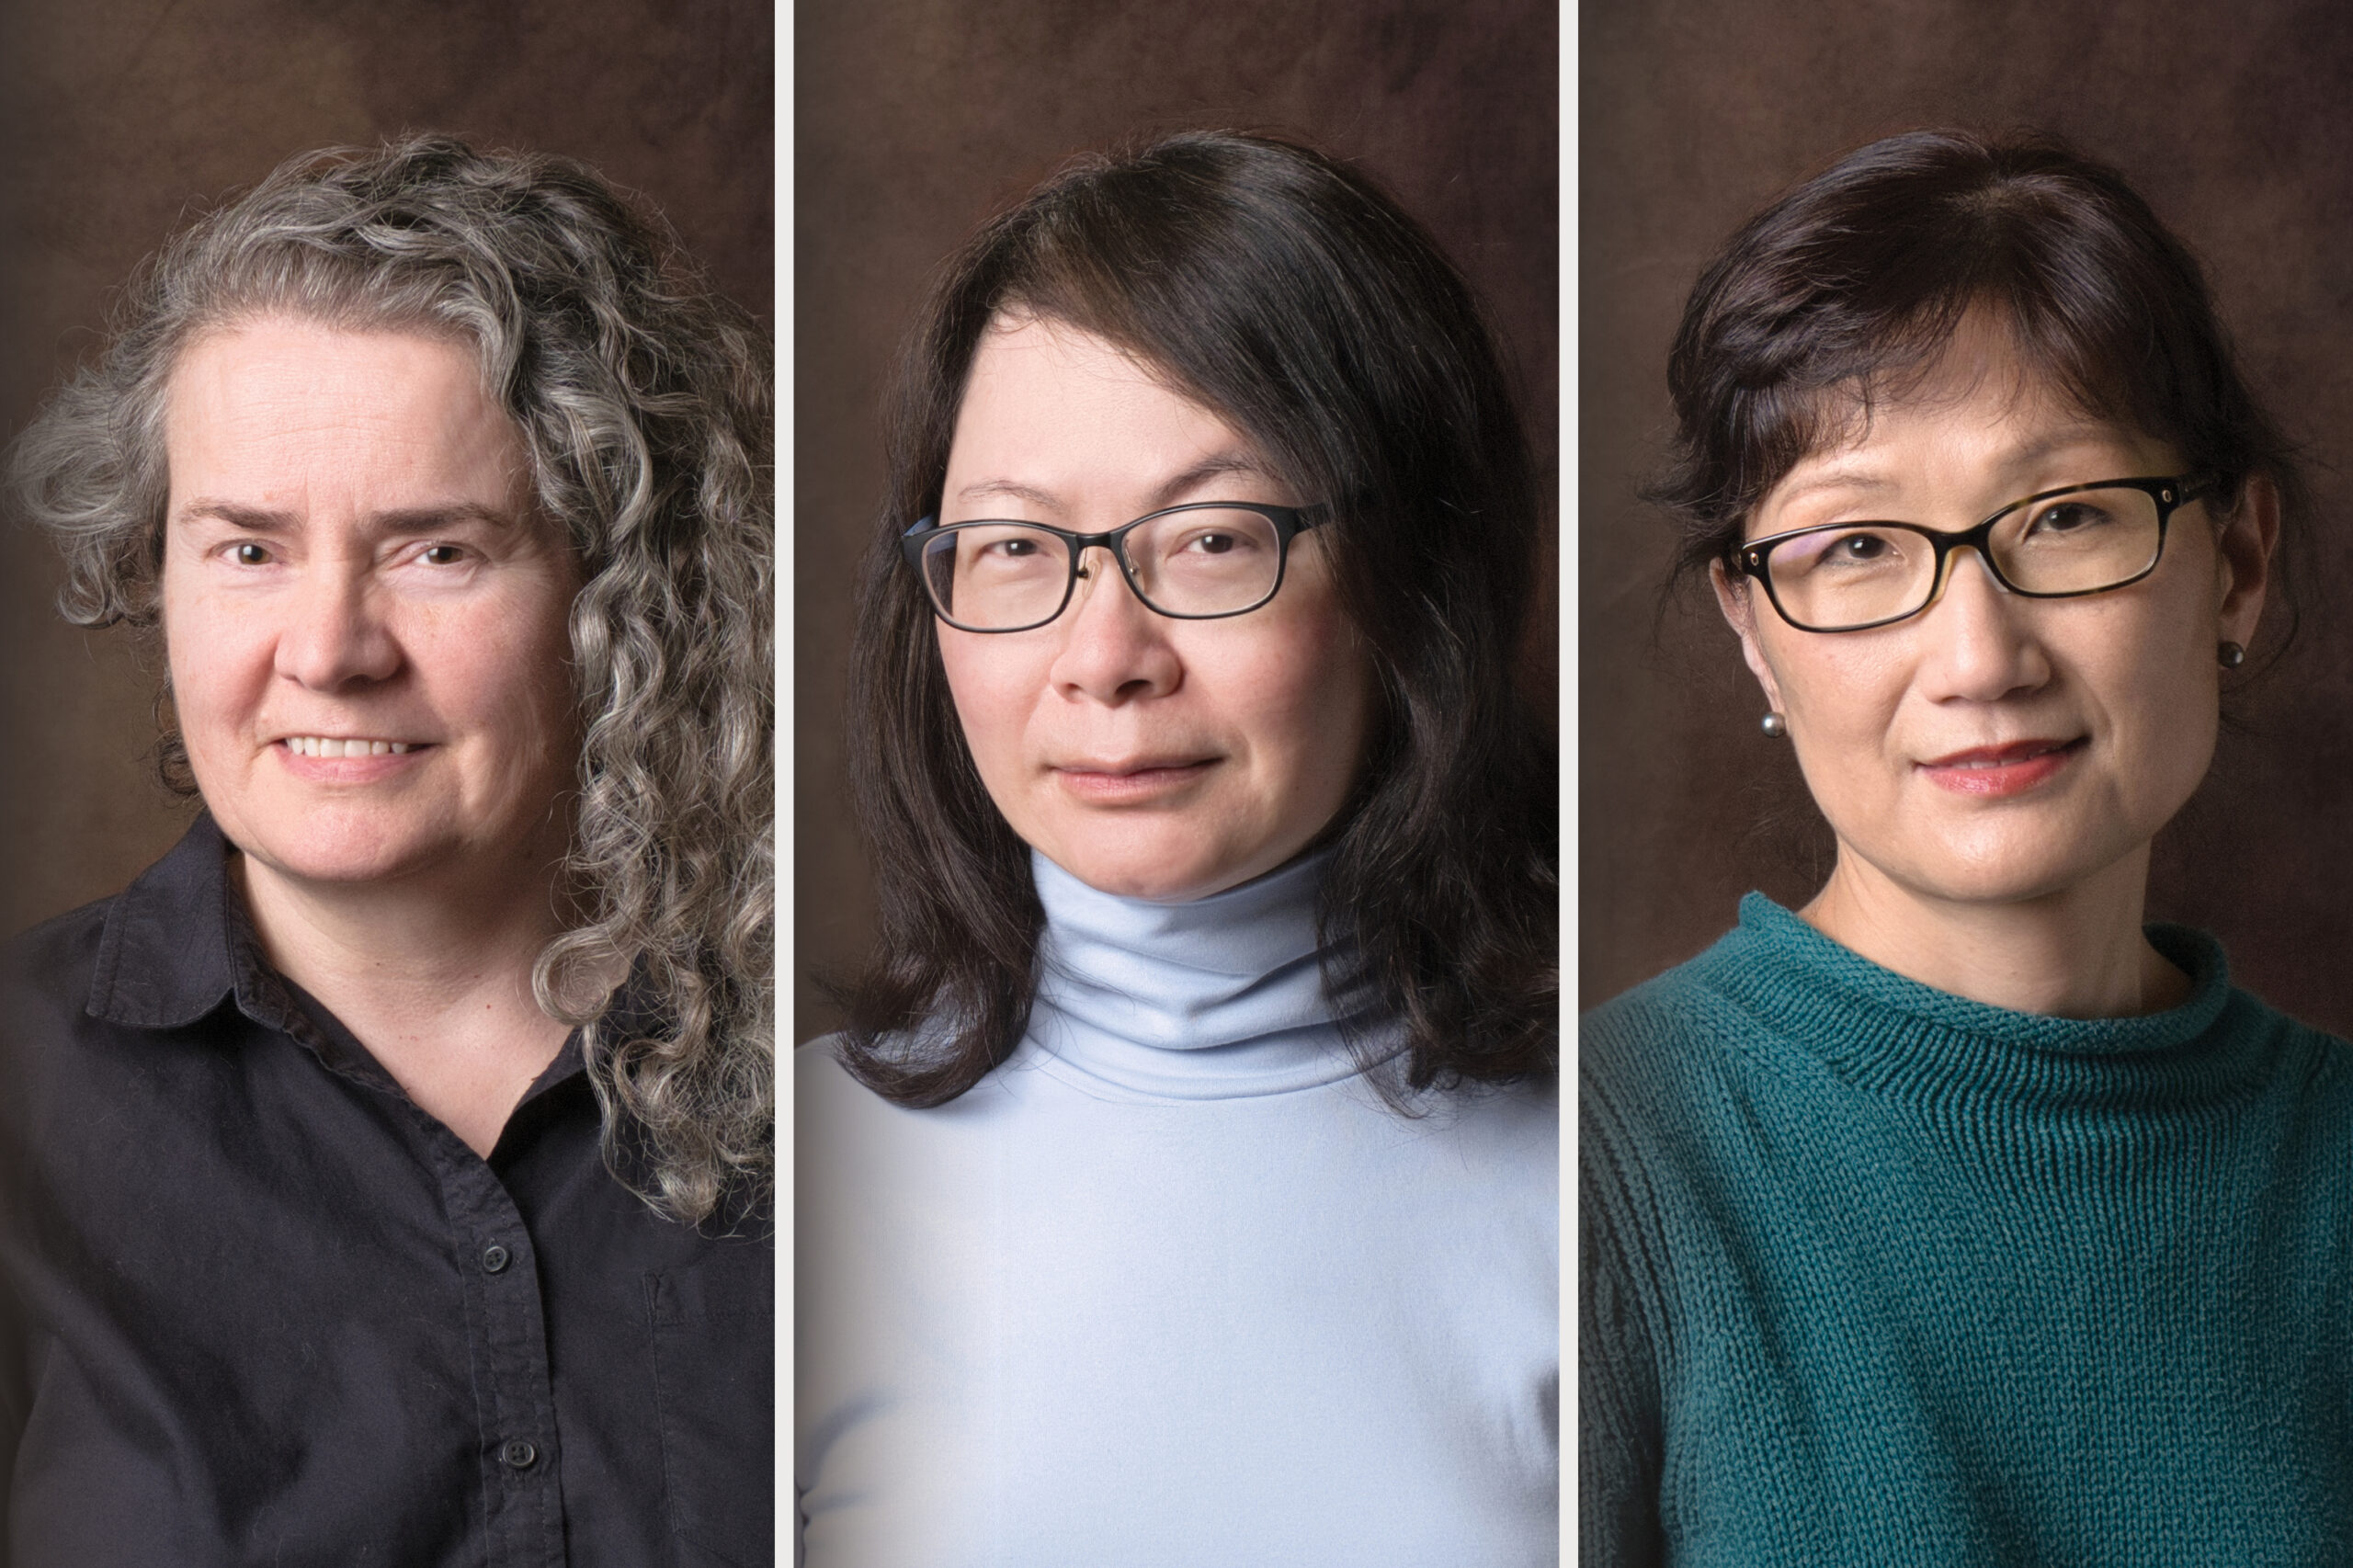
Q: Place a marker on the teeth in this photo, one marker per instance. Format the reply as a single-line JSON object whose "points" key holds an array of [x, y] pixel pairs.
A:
{"points": [[333, 745]]}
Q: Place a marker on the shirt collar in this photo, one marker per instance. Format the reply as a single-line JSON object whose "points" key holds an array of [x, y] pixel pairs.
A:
{"points": [[178, 942], [166, 957]]}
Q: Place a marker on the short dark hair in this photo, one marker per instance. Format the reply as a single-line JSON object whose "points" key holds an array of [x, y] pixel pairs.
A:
{"points": [[1854, 280], [1284, 290]]}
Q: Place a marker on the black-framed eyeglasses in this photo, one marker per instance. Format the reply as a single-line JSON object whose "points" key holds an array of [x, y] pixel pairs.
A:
{"points": [[2059, 544], [1198, 561]]}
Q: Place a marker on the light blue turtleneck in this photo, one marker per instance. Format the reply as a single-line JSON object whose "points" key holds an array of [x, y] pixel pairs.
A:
{"points": [[1172, 1286]]}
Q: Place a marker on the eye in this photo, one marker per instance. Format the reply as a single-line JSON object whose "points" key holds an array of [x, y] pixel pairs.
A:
{"points": [[1016, 548], [248, 554], [441, 554], [1861, 547], [1214, 544], [2068, 516]]}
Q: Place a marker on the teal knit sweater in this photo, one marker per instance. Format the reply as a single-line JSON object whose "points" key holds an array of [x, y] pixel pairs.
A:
{"points": [[1876, 1275]]}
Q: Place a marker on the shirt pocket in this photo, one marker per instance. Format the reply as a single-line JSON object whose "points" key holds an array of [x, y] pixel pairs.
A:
{"points": [[714, 1382]]}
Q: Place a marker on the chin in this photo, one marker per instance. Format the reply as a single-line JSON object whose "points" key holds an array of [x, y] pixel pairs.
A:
{"points": [[300, 860], [339, 845], [1162, 873], [2011, 873]]}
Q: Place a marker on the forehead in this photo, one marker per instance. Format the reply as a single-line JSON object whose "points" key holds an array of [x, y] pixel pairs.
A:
{"points": [[1049, 399], [1977, 413], [280, 402]]}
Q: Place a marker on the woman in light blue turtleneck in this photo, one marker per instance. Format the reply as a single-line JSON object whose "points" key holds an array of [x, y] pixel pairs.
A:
{"points": [[1184, 1190], [1172, 1285]]}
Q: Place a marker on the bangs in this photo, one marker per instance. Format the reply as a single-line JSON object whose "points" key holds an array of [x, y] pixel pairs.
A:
{"points": [[1849, 293], [1832, 399]]}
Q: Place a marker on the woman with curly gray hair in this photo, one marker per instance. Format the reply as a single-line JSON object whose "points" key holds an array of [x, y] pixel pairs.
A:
{"points": [[387, 1173]]}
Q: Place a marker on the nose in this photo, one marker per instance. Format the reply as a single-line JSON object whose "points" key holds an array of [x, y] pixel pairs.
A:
{"points": [[334, 636], [1113, 650], [1977, 645]]}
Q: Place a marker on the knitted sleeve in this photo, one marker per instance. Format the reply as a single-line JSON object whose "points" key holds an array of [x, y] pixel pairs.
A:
{"points": [[1620, 1441]]}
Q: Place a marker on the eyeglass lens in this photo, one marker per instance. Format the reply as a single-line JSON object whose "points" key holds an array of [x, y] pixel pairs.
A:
{"points": [[1002, 576], [1871, 572]]}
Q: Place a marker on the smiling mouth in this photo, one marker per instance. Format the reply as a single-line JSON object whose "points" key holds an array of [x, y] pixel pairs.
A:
{"points": [[2004, 771], [2002, 756], [345, 745]]}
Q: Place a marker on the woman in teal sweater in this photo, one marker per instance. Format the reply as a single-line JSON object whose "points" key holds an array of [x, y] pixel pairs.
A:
{"points": [[1956, 1217]]}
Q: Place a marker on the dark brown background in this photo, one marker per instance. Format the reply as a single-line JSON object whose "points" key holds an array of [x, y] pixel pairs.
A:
{"points": [[123, 116], [2235, 123], [913, 119]]}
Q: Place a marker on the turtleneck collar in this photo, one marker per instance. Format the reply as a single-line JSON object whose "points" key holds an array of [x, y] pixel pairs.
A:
{"points": [[1219, 998], [1914, 1038]]}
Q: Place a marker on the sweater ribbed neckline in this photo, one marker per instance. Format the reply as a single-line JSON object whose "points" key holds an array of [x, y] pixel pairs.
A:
{"points": [[1876, 1028], [1215, 998]]}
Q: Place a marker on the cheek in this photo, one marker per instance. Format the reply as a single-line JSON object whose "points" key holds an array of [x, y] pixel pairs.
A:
{"points": [[1304, 694], [994, 685], [2163, 695], [218, 664], [507, 663], [1841, 704]]}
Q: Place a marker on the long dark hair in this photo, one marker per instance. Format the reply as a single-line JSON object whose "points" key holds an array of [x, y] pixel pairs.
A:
{"points": [[1286, 292], [1854, 281]]}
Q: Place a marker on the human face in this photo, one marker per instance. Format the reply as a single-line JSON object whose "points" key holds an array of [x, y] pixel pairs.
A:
{"points": [[352, 556], [1147, 756], [1995, 748]]}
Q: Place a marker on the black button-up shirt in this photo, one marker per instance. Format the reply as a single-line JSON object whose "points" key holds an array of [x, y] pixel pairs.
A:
{"points": [[260, 1308]]}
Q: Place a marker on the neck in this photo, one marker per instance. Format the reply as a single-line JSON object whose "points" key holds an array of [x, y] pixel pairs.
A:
{"points": [[2076, 953], [1220, 997], [435, 982]]}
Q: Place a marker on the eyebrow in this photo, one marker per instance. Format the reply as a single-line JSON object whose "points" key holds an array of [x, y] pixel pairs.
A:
{"points": [[400, 520], [1872, 481], [1216, 465], [1012, 490]]}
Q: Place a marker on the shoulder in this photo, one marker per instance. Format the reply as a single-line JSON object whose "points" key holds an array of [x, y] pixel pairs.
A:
{"points": [[1641, 1042], [817, 1068], [840, 1124], [68, 1070], [1667, 1074], [59, 949], [2317, 1062], [46, 975]]}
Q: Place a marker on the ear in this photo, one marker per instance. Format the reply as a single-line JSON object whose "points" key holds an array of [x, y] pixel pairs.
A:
{"points": [[1736, 596], [2244, 545]]}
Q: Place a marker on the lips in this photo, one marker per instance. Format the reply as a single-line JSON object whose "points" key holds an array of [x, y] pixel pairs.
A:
{"points": [[345, 760], [2004, 771], [1130, 780]]}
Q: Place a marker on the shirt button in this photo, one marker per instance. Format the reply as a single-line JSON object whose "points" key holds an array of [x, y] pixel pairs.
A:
{"points": [[518, 1454], [493, 1258]]}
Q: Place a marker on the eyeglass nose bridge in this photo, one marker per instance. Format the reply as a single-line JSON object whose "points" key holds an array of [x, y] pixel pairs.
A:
{"points": [[1978, 541], [1113, 544]]}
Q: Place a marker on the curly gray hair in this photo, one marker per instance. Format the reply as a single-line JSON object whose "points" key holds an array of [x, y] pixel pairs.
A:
{"points": [[645, 403]]}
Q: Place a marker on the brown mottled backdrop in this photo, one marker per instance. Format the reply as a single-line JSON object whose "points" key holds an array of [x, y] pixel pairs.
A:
{"points": [[122, 116], [913, 119], [2234, 122]]}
